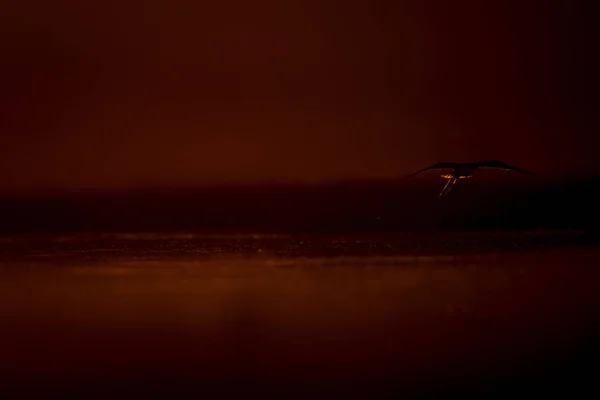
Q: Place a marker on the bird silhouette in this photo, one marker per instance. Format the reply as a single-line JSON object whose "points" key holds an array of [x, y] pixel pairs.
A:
{"points": [[466, 170]]}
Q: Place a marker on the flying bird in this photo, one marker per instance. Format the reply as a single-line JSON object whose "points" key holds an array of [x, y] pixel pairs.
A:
{"points": [[466, 170]]}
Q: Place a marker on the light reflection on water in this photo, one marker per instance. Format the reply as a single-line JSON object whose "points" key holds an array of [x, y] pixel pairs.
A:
{"points": [[379, 318]]}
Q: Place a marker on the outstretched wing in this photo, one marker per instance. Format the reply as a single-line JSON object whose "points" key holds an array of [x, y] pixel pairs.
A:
{"points": [[440, 165], [501, 165]]}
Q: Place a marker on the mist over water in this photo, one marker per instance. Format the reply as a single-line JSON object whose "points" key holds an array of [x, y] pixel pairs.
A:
{"points": [[485, 203]]}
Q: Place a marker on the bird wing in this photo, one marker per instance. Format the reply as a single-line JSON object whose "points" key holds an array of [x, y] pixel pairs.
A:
{"points": [[501, 165], [440, 165]]}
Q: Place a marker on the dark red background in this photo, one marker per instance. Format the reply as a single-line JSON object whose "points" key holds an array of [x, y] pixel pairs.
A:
{"points": [[123, 94]]}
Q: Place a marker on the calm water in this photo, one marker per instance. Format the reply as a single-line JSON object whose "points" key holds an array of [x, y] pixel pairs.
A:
{"points": [[117, 315]]}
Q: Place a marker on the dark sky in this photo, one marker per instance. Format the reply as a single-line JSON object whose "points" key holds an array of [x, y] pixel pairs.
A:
{"points": [[134, 93]]}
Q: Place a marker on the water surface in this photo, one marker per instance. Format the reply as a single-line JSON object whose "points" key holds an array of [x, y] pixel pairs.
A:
{"points": [[282, 315]]}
